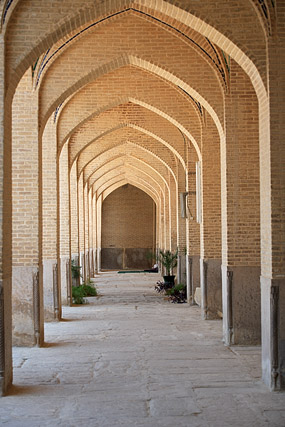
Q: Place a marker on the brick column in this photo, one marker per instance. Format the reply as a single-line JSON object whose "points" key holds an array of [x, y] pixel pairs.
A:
{"points": [[64, 238], [240, 213], [94, 215], [210, 261], [272, 170], [27, 295], [99, 228], [73, 218], [169, 224], [50, 210], [193, 230], [181, 264], [81, 225], [86, 233], [6, 231], [90, 232], [171, 203]]}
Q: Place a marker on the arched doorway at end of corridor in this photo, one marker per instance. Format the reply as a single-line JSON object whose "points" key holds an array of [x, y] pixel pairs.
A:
{"points": [[128, 229]]}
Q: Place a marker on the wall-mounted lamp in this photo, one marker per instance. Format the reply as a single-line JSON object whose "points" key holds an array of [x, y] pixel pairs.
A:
{"points": [[183, 205]]}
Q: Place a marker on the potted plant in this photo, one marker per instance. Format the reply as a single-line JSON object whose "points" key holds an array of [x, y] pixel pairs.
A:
{"points": [[169, 261]]}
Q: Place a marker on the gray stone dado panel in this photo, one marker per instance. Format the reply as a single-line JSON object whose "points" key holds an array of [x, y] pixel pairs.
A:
{"points": [[64, 278], [211, 288], [196, 271], [137, 258], [181, 269], [192, 276], [112, 258], [125, 258], [241, 305], [49, 309], [273, 332], [22, 306]]}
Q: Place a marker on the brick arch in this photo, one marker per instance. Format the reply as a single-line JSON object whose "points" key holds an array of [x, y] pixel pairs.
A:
{"points": [[130, 60], [186, 35], [119, 184], [152, 108], [108, 177], [203, 17], [129, 114], [127, 144], [81, 104], [209, 96], [265, 13], [141, 130], [121, 175], [172, 195], [116, 162], [146, 144]]}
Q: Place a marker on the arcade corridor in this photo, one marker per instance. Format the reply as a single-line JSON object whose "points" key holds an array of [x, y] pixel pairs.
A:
{"points": [[130, 127]]}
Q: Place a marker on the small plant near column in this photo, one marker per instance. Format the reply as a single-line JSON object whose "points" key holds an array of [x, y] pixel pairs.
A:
{"points": [[169, 261], [75, 273], [177, 293], [80, 292]]}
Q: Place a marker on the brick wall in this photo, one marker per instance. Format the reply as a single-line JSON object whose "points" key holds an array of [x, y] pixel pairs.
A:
{"points": [[128, 222]]}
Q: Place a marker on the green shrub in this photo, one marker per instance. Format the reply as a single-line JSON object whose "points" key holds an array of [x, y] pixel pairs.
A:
{"points": [[80, 292], [75, 270], [78, 295], [90, 291]]}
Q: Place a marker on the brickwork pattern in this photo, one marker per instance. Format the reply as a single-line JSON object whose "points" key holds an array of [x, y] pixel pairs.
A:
{"points": [[49, 192], [211, 197], [25, 178], [137, 99], [64, 202], [127, 219]]}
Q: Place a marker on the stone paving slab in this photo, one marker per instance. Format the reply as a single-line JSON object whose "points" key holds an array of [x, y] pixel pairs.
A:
{"points": [[130, 358]]}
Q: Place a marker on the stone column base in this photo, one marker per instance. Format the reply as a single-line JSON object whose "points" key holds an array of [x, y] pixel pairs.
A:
{"points": [[241, 305], [273, 332], [52, 307], [211, 288], [64, 280], [27, 307], [6, 366], [192, 276], [95, 261], [82, 264], [91, 262], [98, 260], [181, 269]]}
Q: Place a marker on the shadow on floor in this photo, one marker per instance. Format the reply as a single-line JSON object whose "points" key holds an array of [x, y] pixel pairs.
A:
{"points": [[16, 390], [57, 344]]}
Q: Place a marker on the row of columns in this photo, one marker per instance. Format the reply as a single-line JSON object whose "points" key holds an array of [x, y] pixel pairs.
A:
{"points": [[240, 270]]}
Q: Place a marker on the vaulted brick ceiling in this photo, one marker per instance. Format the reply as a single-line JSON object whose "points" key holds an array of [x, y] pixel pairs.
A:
{"points": [[132, 75]]}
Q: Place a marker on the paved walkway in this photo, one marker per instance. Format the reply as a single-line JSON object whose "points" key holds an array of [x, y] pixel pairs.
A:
{"points": [[130, 358]]}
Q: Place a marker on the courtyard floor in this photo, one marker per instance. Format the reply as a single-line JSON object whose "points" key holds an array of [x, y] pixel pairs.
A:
{"points": [[131, 358]]}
